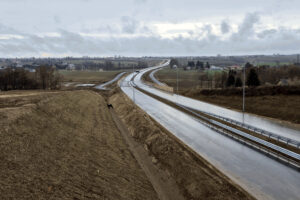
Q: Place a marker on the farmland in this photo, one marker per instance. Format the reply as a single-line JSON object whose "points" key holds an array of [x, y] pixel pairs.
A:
{"points": [[186, 79], [88, 76]]}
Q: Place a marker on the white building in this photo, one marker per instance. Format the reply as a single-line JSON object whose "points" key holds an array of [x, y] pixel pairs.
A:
{"points": [[71, 67]]}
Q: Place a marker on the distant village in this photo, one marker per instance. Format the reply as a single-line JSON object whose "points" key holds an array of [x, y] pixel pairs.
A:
{"points": [[93, 64], [213, 63]]}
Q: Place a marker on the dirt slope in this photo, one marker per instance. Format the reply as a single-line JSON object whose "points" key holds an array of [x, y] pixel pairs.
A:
{"points": [[68, 148], [196, 178]]}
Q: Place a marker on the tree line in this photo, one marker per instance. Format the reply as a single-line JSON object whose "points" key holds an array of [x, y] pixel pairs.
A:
{"points": [[199, 65], [44, 77], [231, 78]]}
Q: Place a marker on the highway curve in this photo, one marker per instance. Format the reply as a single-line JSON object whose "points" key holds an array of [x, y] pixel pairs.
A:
{"points": [[263, 177], [103, 86]]}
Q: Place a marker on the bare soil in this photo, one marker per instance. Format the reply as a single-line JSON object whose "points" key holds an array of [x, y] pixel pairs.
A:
{"points": [[66, 146], [196, 178]]}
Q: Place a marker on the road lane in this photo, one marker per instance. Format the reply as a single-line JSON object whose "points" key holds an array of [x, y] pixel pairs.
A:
{"points": [[103, 86], [260, 175], [250, 119], [151, 75]]}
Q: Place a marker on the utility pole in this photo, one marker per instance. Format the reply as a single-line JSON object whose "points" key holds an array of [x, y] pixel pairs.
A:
{"points": [[177, 79], [244, 88], [133, 94]]}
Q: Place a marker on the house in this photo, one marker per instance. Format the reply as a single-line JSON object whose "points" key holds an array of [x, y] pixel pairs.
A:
{"points": [[19, 65], [283, 82], [71, 67], [30, 69], [235, 67], [215, 68], [2, 67]]}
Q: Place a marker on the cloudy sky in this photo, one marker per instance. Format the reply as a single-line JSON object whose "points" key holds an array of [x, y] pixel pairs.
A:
{"points": [[57, 28]]}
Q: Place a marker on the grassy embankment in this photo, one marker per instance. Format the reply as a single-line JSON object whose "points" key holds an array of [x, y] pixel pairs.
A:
{"points": [[65, 145], [266, 102]]}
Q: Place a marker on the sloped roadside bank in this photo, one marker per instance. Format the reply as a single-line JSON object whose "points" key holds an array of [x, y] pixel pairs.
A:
{"points": [[68, 147], [196, 178]]}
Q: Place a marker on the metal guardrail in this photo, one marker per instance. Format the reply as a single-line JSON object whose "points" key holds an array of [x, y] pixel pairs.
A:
{"points": [[266, 151], [225, 128], [268, 134], [245, 135]]}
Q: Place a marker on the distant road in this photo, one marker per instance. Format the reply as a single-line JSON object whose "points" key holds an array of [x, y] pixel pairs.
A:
{"points": [[103, 86]]}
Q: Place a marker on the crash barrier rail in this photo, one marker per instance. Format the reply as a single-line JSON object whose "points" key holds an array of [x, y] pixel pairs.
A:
{"points": [[224, 130], [268, 134]]}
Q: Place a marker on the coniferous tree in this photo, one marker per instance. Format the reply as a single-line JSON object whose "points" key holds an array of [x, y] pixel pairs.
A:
{"points": [[238, 82], [252, 79]]}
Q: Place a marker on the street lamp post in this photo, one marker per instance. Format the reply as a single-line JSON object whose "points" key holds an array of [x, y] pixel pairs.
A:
{"points": [[133, 94], [177, 78], [244, 88]]}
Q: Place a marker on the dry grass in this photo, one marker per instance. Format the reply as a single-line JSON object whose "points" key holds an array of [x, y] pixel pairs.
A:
{"points": [[88, 76], [283, 107], [274, 102], [186, 79], [67, 147]]}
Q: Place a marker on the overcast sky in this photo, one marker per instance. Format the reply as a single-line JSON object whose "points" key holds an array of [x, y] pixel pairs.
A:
{"points": [[57, 28]]}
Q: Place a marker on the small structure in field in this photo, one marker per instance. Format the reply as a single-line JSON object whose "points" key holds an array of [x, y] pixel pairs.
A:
{"points": [[283, 82]]}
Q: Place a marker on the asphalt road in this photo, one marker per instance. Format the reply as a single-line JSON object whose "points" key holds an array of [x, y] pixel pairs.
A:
{"points": [[103, 86], [262, 176], [151, 75], [250, 119]]}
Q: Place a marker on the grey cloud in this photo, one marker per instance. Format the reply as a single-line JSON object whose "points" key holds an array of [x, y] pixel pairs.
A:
{"points": [[267, 33], [225, 27], [140, 1], [129, 25], [132, 26], [246, 29], [245, 41], [57, 19], [74, 44], [7, 30]]}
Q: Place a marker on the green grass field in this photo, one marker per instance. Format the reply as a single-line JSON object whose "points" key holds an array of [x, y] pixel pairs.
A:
{"points": [[88, 76]]}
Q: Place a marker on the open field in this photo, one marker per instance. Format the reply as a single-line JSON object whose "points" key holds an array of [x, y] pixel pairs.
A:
{"points": [[261, 102], [186, 79], [66, 146], [282, 107], [88, 76]]}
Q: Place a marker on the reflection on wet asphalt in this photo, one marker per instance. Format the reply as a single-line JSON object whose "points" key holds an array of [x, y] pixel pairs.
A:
{"points": [[260, 175]]}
